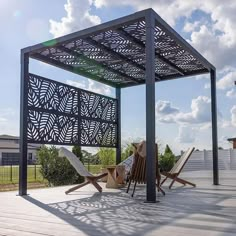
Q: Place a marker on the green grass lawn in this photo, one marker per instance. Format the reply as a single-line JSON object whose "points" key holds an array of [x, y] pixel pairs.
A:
{"points": [[94, 169], [10, 174]]}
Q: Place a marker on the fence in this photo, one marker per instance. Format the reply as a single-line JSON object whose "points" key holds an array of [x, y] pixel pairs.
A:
{"points": [[10, 174], [202, 160]]}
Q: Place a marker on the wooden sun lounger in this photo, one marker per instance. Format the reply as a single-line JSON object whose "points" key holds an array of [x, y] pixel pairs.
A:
{"points": [[177, 168], [79, 167]]}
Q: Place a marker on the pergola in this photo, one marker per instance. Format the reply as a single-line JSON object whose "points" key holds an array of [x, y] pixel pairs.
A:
{"points": [[133, 50]]}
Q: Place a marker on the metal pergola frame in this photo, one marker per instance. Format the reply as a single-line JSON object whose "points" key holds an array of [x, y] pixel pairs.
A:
{"points": [[136, 49]]}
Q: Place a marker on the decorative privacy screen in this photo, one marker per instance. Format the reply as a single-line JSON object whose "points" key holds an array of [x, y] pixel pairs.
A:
{"points": [[64, 115]]}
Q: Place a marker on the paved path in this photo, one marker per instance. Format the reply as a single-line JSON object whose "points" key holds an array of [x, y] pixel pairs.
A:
{"points": [[205, 210]]}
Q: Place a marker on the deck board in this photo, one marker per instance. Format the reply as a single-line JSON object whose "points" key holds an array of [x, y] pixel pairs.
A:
{"points": [[205, 210]]}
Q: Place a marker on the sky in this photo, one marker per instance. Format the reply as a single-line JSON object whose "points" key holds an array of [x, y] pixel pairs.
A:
{"points": [[183, 112]]}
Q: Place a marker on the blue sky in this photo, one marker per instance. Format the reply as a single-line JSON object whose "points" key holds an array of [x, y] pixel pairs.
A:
{"points": [[182, 105]]}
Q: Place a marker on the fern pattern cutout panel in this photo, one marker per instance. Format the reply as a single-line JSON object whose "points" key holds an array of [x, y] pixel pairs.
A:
{"points": [[98, 107], [61, 114], [47, 128]]}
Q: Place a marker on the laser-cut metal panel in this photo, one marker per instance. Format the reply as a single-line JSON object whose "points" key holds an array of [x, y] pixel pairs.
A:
{"points": [[62, 114], [52, 96], [49, 128], [168, 48], [98, 107], [117, 55], [96, 133]]}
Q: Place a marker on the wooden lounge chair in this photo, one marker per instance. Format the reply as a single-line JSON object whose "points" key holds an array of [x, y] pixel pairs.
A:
{"points": [[78, 165], [138, 170], [177, 168]]}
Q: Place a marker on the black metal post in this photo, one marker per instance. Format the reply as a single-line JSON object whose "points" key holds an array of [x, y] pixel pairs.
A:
{"points": [[150, 109], [214, 128], [118, 148], [23, 123]]}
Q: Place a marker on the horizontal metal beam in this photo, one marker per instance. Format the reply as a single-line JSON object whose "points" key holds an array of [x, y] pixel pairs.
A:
{"points": [[142, 45], [70, 68], [94, 62], [69, 144], [170, 77]]}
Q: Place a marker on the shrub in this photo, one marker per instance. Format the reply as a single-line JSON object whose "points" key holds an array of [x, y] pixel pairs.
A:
{"points": [[106, 156], [57, 170], [167, 160]]}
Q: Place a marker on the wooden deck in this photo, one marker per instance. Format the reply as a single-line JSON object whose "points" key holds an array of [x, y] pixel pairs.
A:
{"points": [[204, 210]]}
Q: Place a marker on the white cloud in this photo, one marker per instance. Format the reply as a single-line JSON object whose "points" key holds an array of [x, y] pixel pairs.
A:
{"points": [[233, 115], [191, 26], [216, 51], [217, 41], [231, 93], [204, 127], [102, 89], [207, 86], [165, 112], [3, 120], [81, 85], [186, 135], [170, 10], [225, 124], [91, 86], [200, 112], [77, 17], [165, 108], [227, 81]]}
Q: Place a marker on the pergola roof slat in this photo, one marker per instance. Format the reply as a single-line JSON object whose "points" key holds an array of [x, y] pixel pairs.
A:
{"points": [[71, 69], [141, 44], [92, 61]]}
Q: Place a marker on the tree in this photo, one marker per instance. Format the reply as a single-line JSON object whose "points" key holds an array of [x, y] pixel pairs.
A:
{"points": [[57, 170], [78, 152], [107, 156], [167, 160], [168, 150]]}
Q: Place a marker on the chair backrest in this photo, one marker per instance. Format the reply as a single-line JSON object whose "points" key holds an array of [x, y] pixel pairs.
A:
{"points": [[128, 162], [179, 165], [138, 171], [74, 161]]}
